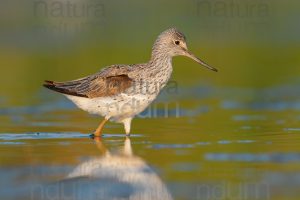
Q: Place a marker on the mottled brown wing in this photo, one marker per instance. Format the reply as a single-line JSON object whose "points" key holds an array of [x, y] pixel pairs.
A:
{"points": [[93, 86], [108, 86]]}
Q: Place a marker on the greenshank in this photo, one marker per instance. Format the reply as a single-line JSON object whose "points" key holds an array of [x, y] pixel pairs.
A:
{"points": [[120, 92]]}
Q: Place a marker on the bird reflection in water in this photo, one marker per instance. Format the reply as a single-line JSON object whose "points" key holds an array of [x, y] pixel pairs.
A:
{"points": [[119, 175]]}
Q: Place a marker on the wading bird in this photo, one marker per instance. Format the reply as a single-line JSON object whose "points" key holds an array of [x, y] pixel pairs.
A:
{"points": [[119, 92]]}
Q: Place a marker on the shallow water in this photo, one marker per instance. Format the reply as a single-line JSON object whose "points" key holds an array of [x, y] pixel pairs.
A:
{"points": [[223, 143], [233, 136]]}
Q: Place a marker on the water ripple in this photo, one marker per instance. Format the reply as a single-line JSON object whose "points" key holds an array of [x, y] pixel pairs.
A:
{"points": [[248, 157], [171, 146], [50, 135]]}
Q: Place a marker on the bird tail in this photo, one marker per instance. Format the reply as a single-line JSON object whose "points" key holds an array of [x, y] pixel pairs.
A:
{"points": [[53, 86], [61, 88]]}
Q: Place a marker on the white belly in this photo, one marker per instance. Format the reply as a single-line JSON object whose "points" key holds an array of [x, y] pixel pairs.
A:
{"points": [[116, 108]]}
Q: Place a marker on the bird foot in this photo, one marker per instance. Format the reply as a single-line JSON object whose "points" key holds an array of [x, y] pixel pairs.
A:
{"points": [[92, 136]]}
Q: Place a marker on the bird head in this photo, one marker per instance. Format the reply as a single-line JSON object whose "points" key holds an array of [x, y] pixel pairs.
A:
{"points": [[173, 43]]}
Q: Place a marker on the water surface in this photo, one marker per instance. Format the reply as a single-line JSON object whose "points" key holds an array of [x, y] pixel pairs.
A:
{"points": [[232, 135], [223, 147]]}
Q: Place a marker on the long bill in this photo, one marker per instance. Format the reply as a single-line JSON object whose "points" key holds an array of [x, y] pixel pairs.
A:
{"points": [[192, 56]]}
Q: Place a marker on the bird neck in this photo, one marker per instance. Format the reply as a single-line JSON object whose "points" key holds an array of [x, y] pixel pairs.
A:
{"points": [[160, 52], [160, 58], [160, 66]]}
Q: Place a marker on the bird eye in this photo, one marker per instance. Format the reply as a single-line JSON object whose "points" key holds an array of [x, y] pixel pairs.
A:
{"points": [[177, 42]]}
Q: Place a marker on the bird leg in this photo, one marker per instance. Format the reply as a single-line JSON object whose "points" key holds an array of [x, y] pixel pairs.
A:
{"points": [[127, 125], [99, 130], [100, 145]]}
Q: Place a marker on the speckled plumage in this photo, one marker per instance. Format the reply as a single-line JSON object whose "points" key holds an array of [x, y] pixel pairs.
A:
{"points": [[119, 92]]}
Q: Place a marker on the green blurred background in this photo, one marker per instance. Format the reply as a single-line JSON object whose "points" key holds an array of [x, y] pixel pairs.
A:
{"points": [[238, 126], [254, 44]]}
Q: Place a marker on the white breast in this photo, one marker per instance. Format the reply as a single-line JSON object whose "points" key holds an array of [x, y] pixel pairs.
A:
{"points": [[117, 108]]}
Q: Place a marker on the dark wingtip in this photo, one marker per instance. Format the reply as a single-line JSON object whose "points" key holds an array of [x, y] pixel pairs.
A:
{"points": [[49, 82], [53, 86]]}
